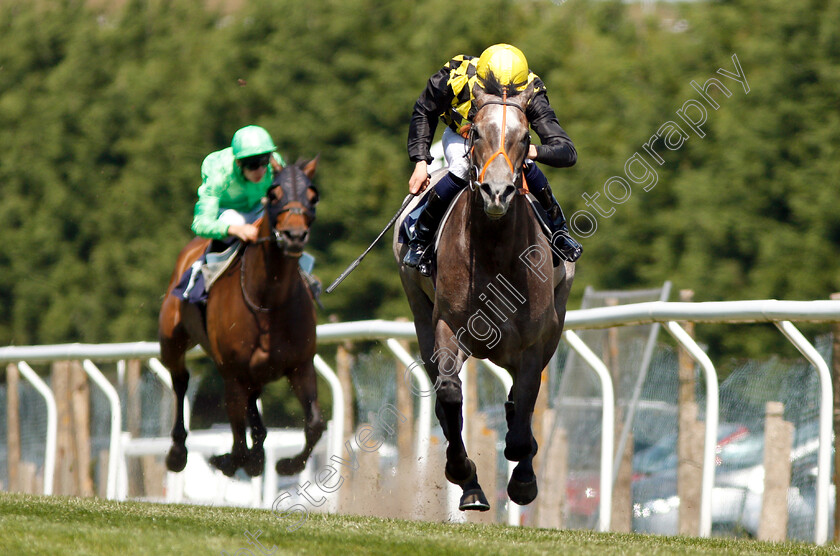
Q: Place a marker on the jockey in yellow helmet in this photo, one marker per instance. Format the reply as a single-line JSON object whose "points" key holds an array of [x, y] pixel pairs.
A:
{"points": [[448, 96]]}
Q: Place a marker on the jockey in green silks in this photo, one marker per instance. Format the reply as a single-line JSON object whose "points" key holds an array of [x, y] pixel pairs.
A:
{"points": [[233, 182]]}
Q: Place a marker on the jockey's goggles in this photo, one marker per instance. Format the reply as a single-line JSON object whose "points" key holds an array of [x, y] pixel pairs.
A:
{"points": [[256, 162]]}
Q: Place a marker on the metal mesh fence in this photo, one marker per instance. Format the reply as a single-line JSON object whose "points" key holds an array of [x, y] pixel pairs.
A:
{"points": [[33, 431]]}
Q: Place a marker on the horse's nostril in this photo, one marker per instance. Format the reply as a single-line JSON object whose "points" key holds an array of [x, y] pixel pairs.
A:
{"points": [[296, 235], [509, 190]]}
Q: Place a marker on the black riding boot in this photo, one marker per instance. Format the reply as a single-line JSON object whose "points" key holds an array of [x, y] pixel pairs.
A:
{"points": [[563, 244], [420, 246]]}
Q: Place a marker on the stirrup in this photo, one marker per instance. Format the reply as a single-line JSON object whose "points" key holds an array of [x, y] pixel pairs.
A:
{"points": [[418, 258], [413, 256], [569, 249], [424, 267]]}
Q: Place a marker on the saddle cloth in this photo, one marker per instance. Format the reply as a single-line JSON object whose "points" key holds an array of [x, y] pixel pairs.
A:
{"points": [[196, 281]]}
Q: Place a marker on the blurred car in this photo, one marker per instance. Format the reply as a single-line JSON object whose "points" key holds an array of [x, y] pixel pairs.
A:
{"points": [[655, 478], [738, 489]]}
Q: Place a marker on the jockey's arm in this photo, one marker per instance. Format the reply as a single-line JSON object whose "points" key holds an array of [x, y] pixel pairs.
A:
{"points": [[205, 218], [557, 148], [433, 101]]}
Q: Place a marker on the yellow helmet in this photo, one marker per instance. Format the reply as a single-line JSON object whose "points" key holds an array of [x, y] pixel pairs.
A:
{"points": [[506, 64]]}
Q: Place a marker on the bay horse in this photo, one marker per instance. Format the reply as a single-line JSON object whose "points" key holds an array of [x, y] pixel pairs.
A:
{"points": [[258, 326], [496, 295]]}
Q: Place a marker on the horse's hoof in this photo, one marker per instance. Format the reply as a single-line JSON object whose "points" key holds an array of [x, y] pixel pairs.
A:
{"points": [[224, 464], [456, 480], [474, 500], [290, 466], [176, 459], [522, 493], [255, 464]]}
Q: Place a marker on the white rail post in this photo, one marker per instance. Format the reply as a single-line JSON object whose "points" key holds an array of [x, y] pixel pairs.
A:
{"points": [[337, 431], [710, 445], [607, 426], [116, 424], [52, 423], [826, 406]]}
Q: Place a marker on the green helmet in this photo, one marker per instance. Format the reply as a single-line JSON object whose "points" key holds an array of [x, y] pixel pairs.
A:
{"points": [[251, 140]]}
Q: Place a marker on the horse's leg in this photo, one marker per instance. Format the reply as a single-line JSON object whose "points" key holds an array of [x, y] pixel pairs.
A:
{"points": [[305, 388], [256, 456], [236, 404], [460, 469], [176, 459], [520, 444], [174, 342]]}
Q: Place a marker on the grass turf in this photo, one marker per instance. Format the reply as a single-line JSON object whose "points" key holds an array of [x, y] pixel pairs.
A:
{"points": [[60, 525]]}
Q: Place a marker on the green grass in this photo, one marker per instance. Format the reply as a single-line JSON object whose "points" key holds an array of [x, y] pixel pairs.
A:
{"points": [[58, 525]]}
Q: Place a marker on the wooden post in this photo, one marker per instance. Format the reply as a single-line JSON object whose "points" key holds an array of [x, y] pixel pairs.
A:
{"points": [[622, 500], [343, 365], [366, 496], [28, 479], [13, 426], [471, 394], [154, 476], [405, 405], [538, 421], [541, 425], [80, 402], [622, 505], [778, 439], [552, 480], [690, 438], [835, 382], [405, 478], [102, 471], [65, 458]]}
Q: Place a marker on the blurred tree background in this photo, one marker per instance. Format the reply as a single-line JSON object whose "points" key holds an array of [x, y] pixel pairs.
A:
{"points": [[106, 112]]}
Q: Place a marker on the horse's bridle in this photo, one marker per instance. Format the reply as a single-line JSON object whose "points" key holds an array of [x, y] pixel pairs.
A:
{"points": [[278, 238], [477, 177], [292, 207]]}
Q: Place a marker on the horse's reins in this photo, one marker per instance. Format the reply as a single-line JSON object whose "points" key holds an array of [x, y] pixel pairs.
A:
{"points": [[501, 151]]}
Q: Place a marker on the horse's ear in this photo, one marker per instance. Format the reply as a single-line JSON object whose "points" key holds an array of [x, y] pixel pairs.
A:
{"points": [[312, 195], [309, 167], [527, 94]]}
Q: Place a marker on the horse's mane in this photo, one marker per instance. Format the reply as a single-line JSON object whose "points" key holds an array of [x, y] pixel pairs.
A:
{"points": [[493, 86]]}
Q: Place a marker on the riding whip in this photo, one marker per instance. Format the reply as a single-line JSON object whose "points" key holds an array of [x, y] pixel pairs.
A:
{"points": [[355, 263]]}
